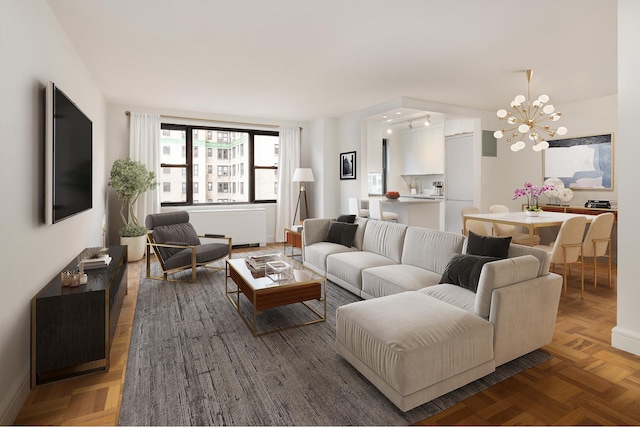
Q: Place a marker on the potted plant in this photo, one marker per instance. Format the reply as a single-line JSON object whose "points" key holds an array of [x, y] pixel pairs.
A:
{"points": [[130, 178]]}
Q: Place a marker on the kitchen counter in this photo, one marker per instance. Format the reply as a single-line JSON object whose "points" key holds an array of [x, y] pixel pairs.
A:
{"points": [[422, 196], [410, 199], [416, 211]]}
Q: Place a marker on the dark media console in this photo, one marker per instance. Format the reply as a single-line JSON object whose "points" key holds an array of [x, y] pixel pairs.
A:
{"points": [[72, 328]]}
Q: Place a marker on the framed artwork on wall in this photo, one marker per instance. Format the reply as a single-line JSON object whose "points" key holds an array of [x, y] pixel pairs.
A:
{"points": [[582, 163], [348, 165]]}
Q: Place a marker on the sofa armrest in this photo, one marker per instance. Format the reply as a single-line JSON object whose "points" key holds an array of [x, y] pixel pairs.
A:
{"points": [[504, 272], [314, 230], [524, 316]]}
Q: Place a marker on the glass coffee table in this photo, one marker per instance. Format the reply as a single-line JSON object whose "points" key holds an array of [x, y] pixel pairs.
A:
{"points": [[274, 281]]}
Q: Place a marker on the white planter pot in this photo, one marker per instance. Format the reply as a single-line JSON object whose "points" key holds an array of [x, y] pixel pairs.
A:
{"points": [[135, 247], [530, 213]]}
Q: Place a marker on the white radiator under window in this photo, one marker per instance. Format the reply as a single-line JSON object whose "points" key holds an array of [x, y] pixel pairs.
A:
{"points": [[245, 226]]}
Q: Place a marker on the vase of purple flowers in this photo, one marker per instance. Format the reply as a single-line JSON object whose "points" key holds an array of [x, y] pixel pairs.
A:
{"points": [[532, 194]]}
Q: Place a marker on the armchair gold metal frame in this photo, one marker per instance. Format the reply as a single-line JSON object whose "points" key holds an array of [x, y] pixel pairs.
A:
{"points": [[151, 245]]}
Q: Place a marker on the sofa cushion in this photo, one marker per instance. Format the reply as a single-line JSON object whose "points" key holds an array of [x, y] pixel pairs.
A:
{"points": [[430, 249], [346, 268], [464, 270], [341, 232], [412, 340], [384, 238], [393, 279], [488, 246], [315, 256], [501, 273], [452, 294]]}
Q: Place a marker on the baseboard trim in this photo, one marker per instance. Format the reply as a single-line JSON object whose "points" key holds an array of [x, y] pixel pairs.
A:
{"points": [[10, 412], [626, 340]]}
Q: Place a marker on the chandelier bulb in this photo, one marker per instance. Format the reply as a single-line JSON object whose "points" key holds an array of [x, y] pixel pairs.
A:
{"points": [[536, 147], [512, 120], [543, 98], [514, 147], [548, 109], [561, 130], [519, 99], [523, 128], [502, 113], [544, 144], [537, 103], [498, 134]]}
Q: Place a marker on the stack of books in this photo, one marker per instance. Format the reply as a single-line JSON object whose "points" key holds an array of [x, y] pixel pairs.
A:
{"points": [[100, 261], [259, 262]]}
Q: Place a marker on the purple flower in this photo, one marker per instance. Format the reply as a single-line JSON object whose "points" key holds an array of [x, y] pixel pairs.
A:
{"points": [[532, 193]]}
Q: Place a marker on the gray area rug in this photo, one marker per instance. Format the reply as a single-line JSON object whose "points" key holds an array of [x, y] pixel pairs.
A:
{"points": [[193, 361]]}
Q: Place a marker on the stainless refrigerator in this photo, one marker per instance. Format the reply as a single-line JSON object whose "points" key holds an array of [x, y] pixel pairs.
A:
{"points": [[458, 181]]}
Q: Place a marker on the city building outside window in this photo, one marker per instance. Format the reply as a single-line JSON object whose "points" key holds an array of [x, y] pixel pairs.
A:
{"points": [[251, 178]]}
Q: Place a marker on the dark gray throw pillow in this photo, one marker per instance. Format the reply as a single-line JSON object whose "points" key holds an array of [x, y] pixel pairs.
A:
{"points": [[341, 233], [464, 270], [346, 218], [488, 246]]}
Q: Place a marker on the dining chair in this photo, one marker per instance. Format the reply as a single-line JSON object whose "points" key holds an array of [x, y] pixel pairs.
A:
{"points": [[356, 207], [597, 243], [376, 212], [567, 248], [504, 230], [478, 227]]}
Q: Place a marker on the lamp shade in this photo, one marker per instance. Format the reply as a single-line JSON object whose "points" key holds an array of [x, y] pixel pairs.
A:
{"points": [[302, 175]]}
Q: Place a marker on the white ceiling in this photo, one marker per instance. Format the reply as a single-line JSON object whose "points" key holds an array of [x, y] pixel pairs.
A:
{"points": [[307, 59]]}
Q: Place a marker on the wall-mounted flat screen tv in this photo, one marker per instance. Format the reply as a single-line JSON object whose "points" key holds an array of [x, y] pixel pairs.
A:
{"points": [[68, 157]]}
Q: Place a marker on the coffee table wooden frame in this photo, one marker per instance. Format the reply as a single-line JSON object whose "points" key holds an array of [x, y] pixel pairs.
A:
{"points": [[273, 296]]}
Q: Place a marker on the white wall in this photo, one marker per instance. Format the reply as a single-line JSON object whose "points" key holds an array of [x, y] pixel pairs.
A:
{"points": [[35, 49], [626, 335], [323, 145]]}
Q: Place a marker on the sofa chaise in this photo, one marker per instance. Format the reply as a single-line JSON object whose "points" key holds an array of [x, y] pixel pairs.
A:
{"points": [[419, 334]]}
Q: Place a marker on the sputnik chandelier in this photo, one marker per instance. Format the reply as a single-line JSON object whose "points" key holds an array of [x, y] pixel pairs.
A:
{"points": [[529, 120]]}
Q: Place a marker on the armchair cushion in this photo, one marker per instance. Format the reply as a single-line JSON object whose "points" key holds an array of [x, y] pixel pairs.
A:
{"points": [[183, 232], [204, 253]]}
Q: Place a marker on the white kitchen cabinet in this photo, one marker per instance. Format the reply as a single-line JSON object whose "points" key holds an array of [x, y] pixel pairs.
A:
{"points": [[423, 151], [434, 141]]}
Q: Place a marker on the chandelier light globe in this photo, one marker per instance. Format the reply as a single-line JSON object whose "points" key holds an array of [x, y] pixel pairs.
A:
{"points": [[529, 118]]}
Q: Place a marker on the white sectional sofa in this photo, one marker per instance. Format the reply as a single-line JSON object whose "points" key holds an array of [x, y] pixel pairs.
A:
{"points": [[415, 338]]}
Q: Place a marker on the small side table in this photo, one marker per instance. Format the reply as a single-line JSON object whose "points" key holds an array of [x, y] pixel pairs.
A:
{"points": [[292, 239]]}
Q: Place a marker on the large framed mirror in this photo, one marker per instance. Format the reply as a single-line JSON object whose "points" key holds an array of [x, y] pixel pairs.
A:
{"points": [[582, 163]]}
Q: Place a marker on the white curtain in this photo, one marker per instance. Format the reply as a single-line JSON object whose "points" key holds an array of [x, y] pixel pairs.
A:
{"points": [[288, 161], [144, 145]]}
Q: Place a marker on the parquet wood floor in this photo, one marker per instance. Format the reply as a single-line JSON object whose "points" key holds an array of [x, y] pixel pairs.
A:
{"points": [[586, 382]]}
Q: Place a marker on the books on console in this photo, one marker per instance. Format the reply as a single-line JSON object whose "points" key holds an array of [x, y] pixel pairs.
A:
{"points": [[100, 261]]}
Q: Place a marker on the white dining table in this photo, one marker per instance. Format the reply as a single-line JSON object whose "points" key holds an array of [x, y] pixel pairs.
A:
{"points": [[521, 219]]}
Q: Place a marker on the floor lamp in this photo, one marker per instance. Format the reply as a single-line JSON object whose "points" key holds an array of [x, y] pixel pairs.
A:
{"points": [[302, 175]]}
